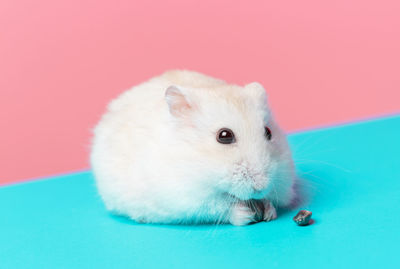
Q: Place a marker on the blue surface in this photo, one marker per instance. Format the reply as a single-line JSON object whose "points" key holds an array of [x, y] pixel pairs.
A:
{"points": [[352, 171]]}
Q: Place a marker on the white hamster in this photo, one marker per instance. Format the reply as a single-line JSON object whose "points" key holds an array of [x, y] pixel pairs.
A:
{"points": [[184, 147]]}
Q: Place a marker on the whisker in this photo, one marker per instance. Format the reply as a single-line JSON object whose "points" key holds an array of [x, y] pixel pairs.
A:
{"points": [[323, 162], [300, 149]]}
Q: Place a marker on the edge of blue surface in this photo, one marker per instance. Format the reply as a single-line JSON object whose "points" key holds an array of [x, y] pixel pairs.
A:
{"points": [[358, 121], [46, 178]]}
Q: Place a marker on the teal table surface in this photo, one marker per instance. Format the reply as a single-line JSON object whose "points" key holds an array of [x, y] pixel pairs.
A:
{"points": [[352, 175]]}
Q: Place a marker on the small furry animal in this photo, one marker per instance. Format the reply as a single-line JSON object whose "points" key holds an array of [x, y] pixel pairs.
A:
{"points": [[186, 148]]}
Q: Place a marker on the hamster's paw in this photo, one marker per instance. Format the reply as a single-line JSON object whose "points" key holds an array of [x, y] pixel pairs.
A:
{"points": [[269, 211], [242, 214]]}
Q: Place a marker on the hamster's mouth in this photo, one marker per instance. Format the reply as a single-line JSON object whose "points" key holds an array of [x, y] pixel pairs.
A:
{"points": [[255, 195], [259, 194]]}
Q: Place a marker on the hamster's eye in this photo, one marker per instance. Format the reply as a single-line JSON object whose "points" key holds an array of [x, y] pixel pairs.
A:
{"points": [[268, 133], [226, 136]]}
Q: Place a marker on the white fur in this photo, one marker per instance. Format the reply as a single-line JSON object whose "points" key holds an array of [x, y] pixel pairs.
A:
{"points": [[156, 158]]}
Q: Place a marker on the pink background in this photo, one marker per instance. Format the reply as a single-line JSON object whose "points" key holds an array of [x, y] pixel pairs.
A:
{"points": [[323, 62]]}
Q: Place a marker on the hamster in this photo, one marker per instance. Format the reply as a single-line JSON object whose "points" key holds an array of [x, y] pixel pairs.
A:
{"points": [[186, 148]]}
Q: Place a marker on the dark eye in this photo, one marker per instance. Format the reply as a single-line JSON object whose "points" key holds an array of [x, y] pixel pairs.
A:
{"points": [[226, 136], [268, 133]]}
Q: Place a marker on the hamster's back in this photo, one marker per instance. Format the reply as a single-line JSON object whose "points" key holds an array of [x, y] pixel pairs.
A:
{"points": [[190, 79]]}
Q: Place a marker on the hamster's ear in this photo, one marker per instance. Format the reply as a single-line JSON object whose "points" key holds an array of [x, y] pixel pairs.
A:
{"points": [[257, 91], [177, 101]]}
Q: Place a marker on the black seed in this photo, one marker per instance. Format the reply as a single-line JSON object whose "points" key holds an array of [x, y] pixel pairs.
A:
{"points": [[303, 217]]}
